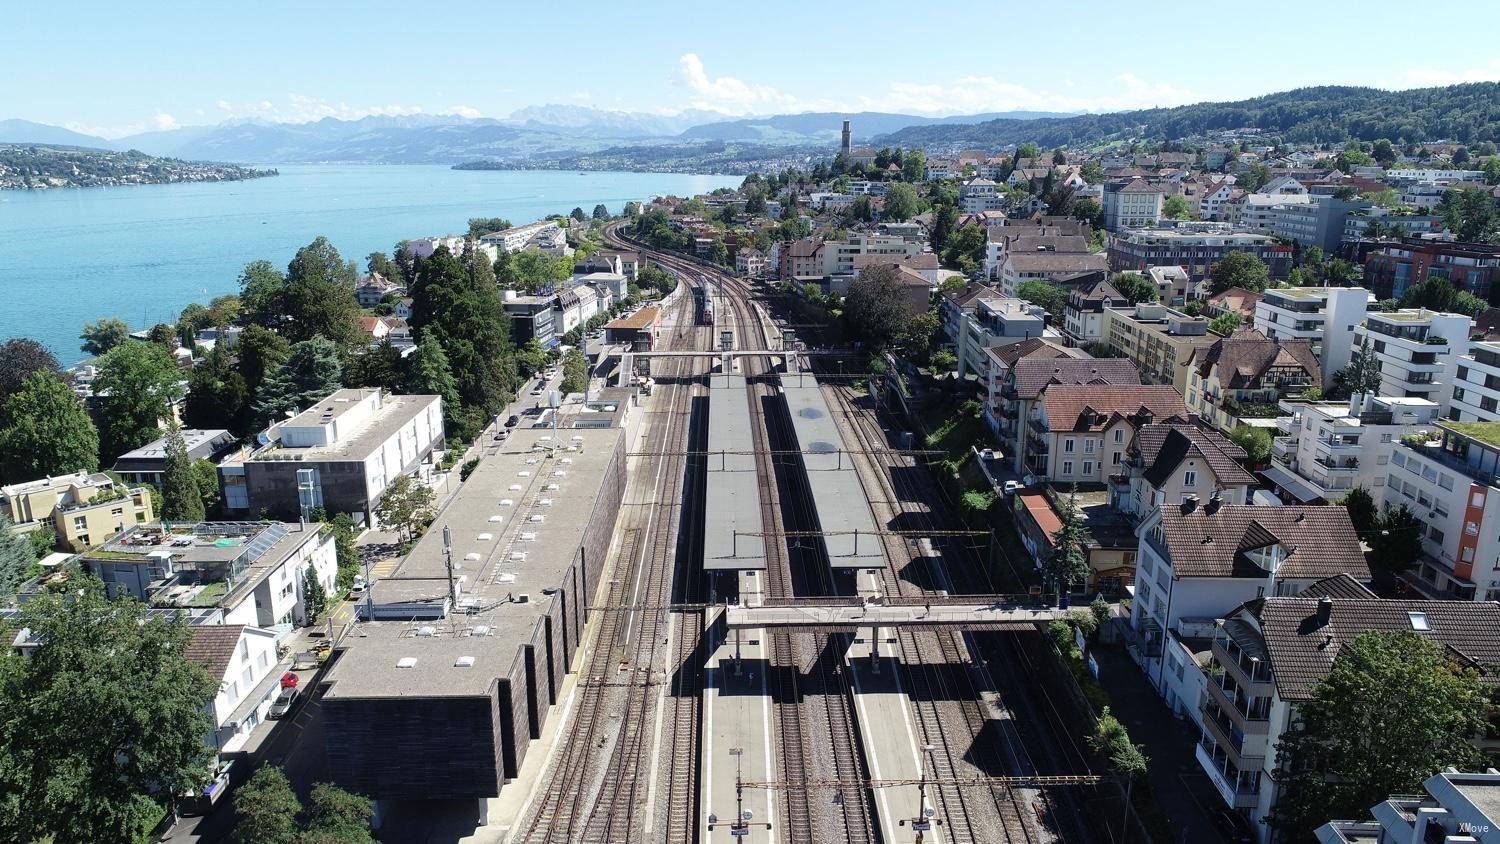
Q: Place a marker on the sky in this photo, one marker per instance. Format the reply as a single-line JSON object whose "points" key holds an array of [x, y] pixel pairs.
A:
{"points": [[114, 69]]}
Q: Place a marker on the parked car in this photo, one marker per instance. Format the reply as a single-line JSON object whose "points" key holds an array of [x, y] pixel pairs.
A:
{"points": [[513, 422], [358, 587], [1234, 826], [1012, 487], [289, 680], [284, 701]]}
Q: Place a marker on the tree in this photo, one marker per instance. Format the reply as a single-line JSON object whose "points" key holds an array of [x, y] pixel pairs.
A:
{"points": [[263, 292], [1469, 214], [717, 252], [577, 214], [103, 724], [427, 374], [376, 263], [312, 372], [319, 298], [336, 815], [1362, 375], [1491, 170], [481, 226], [1087, 210], [1396, 542], [266, 808], [1393, 709], [1027, 150], [874, 309], [966, 248], [1225, 323], [469, 321], [105, 334], [135, 389], [1362, 512], [1111, 741], [19, 357], [1067, 561], [920, 332], [1351, 158], [901, 202], [1092, 172], [45, 431], [914, 166], [314, 596], [575, 370], [1135, 287], [1177, 208], [1039, 292], [532, 358], [16, 558], [343, 547], [206, 478], [377, 367], [600, 212], [406, 505], [1239, 269], [944, 221], [217, 396], [259, 353], [1255, 441], [179, 484]]}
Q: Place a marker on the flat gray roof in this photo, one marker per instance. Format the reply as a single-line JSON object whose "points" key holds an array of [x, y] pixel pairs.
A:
{"points": [[491, 523], [733, 488], [836, 489], [394, 412]]}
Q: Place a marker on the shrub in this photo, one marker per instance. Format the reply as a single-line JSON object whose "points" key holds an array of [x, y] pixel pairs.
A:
{"points": [[468, 468]]}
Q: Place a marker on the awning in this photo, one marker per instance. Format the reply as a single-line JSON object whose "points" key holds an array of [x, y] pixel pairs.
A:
{"points": [[1290, 482]]}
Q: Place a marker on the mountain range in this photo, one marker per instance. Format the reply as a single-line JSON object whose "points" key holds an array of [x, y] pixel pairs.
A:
{"points": [[529, 133]]}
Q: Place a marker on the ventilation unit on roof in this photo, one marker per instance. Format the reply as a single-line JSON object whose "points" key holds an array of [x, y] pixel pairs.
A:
{"points": [[497, 518], [532, 461], [524, 473], [406, 662], [515, 487], [559, 474], [528, 536], [537, 519], [485, 537], [464, 662], [517, 556], [481, 630], [544, 502], [426, 630], [578, 438], [565, 460], [472, 556], [506, 577], [507, 502], [552, 487]]}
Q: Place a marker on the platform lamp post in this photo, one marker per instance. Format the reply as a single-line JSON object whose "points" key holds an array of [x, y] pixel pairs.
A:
{"points": [[922, 822]]}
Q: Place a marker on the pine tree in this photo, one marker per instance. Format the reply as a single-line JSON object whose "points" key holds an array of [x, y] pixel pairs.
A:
{"points": [[1067, 563], [179, 484], [313, 372], [428, 374], [16, 557], [314, 596]]}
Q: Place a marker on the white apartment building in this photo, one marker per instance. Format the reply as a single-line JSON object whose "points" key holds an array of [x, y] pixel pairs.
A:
{"points": [[1257, 212], [1449, 479], [1324, 316], [839, 256], [1202, 558], [1435, 176], [1476, 384], [978, 195], [542, 234], [1417, 349], [1333, 447], [339, 455], [995, 321], [1133, 204]]}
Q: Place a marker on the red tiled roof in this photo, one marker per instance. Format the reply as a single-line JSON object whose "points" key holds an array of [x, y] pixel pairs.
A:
{"points": [[1064, 405]]}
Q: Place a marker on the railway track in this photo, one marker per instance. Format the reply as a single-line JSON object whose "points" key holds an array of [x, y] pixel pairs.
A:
{"points": [[596, 789]]}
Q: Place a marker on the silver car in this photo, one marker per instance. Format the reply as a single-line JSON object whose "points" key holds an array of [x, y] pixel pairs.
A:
{"points": [[284, 701]]}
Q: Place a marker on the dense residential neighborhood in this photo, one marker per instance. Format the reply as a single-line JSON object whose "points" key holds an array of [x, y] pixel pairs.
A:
{"points": [[1194, 441]]}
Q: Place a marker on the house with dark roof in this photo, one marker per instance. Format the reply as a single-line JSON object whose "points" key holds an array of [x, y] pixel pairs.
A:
{"points": [[1029, 376], [1202, 557], [1083, 317], [1268, 654], [1167, 462], [1240, 378], [243, 660], [1079, 433], [1000, 360]]}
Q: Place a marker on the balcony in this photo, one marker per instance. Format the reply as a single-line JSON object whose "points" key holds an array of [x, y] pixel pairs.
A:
{"points": [[1234, 791], [1226, 698], [1337, 465], [1283, 448], [1238, 651]]}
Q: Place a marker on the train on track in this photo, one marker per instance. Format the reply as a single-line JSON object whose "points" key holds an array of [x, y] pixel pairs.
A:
{"points": [[703, 303]]}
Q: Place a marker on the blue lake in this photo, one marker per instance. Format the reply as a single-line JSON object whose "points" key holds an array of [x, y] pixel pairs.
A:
{"points": [[142, 253]]}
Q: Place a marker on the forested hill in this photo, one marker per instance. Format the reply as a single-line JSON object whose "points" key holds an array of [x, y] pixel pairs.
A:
{"points": [[1468, 113], [41, 166]]}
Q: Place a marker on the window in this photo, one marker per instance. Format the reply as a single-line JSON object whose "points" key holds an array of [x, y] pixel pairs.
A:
{"points": [[1088, 446], [1116, 458], [1436, 535], [80, 523], [1418, 621], [1067, 467], [1119, 435], [1385, 438], [1088, 467], [1190, 478], [1068, 446]]}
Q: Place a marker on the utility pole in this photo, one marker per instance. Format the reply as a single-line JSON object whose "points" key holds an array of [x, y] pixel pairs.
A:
{"points": [[448, 562]]}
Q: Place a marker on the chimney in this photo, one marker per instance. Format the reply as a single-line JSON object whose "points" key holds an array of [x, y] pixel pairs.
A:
{"points": [[1189, 504], [1325, 612], [1214, 502], [1356, 404]]}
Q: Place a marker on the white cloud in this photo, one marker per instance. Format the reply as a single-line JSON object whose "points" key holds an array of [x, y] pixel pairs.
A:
{"points": [[163, 122], [465, 111], [729, 95], [1428, 77]]}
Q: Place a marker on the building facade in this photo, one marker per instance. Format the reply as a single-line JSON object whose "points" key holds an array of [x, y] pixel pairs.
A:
{"points": [[1323, 316], [1416, 350], [1330, 448]]}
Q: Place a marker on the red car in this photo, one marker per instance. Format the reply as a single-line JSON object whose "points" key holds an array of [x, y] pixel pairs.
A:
{"points": [[289, 680]]}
